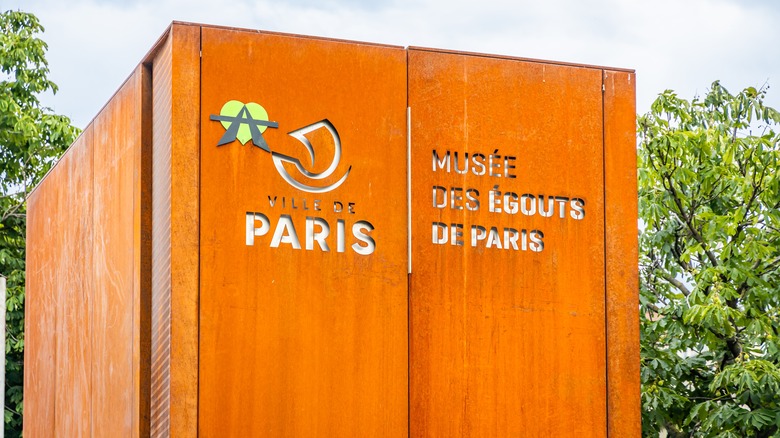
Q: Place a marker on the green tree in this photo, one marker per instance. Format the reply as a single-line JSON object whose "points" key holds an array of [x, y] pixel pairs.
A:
{"points": [[709, 199], [31, 139]]}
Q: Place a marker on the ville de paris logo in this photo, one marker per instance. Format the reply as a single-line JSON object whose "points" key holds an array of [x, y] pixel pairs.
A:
{"points": [[248, 121]]}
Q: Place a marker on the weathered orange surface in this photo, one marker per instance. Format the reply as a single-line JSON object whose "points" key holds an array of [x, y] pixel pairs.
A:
{"points": [[148, 312], [184, 211], [297, 342], [507, 342], [84, 294], [58, 352], [117, 301], [622, 252]]}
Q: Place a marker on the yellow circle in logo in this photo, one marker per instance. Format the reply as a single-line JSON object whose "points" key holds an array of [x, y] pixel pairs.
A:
{"points": [[244, 113]]}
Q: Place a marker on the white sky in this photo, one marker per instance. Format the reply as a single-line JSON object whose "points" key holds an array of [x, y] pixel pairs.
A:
{"points": [[679, 44]]}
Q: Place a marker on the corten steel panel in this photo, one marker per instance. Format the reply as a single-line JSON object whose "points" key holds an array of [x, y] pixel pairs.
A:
{"points": [[58, 263], [176, 155], [505, 341], [185, 180], [298, 342], [142, 263], [40, 317], [87, 238], [73, 269], [117, 137], [59, 298], [622, 254]]}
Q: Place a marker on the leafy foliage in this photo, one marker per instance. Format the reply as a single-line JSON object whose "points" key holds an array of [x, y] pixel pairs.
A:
{"points": [[709, 193], [31, 139]]}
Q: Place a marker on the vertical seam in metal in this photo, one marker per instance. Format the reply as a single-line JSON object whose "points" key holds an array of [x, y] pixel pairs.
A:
{"points": [[200, 173], [409, 254], [136, 276], [409, 184], [91, 310], [148, 161], [606, 286]]}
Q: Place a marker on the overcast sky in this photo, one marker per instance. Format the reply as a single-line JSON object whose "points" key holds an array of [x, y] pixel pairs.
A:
{"points": [[679, 44]]}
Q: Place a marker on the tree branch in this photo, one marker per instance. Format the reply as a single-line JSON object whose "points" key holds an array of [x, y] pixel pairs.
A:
{"points": [[689, 223], [11, 211], [674, 282]]}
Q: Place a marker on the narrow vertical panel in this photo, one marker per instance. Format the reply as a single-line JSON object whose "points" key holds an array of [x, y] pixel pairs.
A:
{"points": [[622, 256], [185, 219], [40, 309], [142, 260], [160, 391], [116, 141], [508, 336], [309, 334], [70, 264], [175, 216]]}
